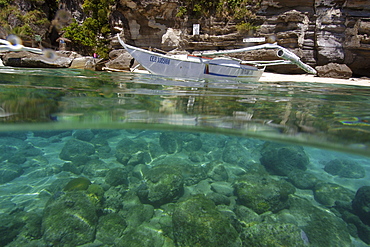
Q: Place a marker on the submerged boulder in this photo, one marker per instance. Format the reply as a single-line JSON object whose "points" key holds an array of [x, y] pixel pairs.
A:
{"points": [[170, 142], [282, 159], [263, 194], [163, 184], [329, 193], [110, 227], [197, 222], [345, 168], [77, 151], [274, 234], [361, 204], [129, 152], [69, 220]]}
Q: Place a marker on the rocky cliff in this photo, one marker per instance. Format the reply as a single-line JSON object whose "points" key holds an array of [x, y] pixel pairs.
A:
{"points": [[320, 31]]}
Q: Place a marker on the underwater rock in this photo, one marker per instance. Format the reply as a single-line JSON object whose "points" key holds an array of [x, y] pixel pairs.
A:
{"points": [[144, 235], [110, 227], [170, 142], [29, 150], [197, 222], [361, 204], [223, 188], [163, 184], [191, 142], [112, 200], [303, 180], [102, 147], [218, 172], [95, 168], [7, 152], [328, 193], [83, 135], [235, 153], [77, 151], [196, 157], [356, 227], [263, 194], [345, 168], [10, 227], [281, 159], [247, 215], [134, 212], [192, 174], [70, 167], [219, 199], [322, 227], [29, 234], [116, 176], [9, 171], [69, 220], [129, 152], [273, 234]]}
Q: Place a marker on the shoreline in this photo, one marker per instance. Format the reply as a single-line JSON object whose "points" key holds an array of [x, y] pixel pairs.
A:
{"points": [[276, 77]]}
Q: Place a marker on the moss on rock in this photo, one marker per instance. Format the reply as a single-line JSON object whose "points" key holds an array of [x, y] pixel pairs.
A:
{"points": [[197, 222]]}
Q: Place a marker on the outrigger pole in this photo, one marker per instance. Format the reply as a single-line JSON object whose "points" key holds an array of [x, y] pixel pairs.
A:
{"points": [[282, 53]]}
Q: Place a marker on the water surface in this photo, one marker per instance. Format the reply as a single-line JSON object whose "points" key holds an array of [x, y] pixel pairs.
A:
{"points": [[251, 157]]}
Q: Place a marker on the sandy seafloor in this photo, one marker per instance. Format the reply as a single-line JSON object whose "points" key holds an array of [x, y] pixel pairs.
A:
{"points": [[32, 189]]}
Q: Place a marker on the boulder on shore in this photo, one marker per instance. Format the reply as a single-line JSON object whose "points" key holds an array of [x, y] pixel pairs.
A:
{"points": [[334, 70]]}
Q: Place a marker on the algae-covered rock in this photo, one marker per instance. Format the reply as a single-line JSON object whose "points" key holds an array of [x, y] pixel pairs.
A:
{"points": [[170, 142], [328, 193], [110, 227], [163, 184], [116, 176], [217, 172], [69, 220], [235, 153], [28, 233], [95, 168], [77, 151], [273, 234], [263, 194], [281, 159], [321, 227], [345, 168], [361, 204], [135, 212], [10, 227], [191, 142], [129, 152], [144, 235], [83, 135], [197, 222], [302, 179]]}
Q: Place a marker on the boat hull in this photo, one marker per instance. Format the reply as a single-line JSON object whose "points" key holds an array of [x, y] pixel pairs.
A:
{"points": [[194, 67]]}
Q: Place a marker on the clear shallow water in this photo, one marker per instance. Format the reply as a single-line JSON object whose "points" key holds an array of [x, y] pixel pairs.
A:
{"points": [[169, 141]]}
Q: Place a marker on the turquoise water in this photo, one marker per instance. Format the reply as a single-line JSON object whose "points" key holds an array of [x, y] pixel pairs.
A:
{"points": [[120, 159]]}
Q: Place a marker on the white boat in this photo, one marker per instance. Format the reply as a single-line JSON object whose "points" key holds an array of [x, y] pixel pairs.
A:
{"points": [[201, 66]]}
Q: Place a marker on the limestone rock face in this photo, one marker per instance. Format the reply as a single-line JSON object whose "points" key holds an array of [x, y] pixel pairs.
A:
{"points": [[319, 31], [334, 70]]}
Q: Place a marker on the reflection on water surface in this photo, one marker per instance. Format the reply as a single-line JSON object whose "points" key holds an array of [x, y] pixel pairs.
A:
{"points": [[115, 159]]}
